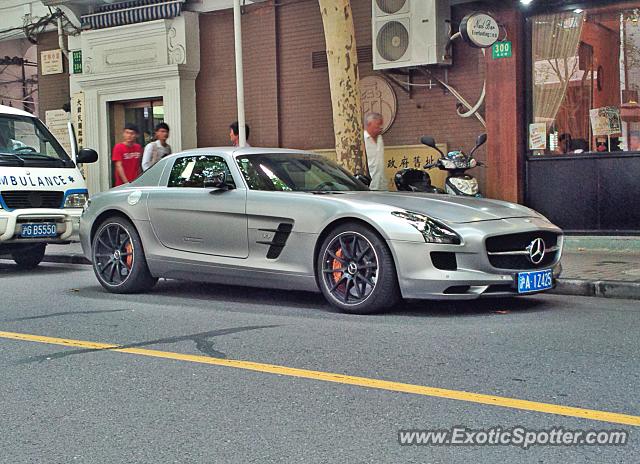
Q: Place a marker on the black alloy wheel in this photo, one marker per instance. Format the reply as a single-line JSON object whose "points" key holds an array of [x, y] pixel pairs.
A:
{"points": [[118, 258], [356, 271]]}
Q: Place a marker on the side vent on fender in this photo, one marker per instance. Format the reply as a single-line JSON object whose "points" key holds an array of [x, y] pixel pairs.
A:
{"points": [[279, 240]]}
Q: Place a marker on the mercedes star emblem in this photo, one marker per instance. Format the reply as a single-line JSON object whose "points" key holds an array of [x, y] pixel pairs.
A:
{"points": [[536, 251]]}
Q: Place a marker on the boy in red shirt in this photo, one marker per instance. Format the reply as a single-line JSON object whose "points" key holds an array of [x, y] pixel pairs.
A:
{"points": [[126, 156]]}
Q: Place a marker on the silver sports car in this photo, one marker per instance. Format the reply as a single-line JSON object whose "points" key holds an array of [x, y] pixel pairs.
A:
{"points": [[294, 220]]}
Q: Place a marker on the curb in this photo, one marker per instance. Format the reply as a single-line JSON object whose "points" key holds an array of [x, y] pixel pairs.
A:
{"points": [[65, 259], [598, 288]]}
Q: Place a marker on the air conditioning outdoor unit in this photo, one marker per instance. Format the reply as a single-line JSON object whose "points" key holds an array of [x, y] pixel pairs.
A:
{"points": [[410, 32]]}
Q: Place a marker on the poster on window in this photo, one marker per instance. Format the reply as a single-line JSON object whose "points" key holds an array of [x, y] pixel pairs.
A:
{"points": [[538, 136], [605, 121]]}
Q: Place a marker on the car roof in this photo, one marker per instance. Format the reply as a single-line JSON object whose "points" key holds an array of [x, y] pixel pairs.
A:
{"points": [[235, 151], [14, 111]]}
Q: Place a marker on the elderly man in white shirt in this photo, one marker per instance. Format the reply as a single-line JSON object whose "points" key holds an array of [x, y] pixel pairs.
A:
{"points": [[374, 146]]}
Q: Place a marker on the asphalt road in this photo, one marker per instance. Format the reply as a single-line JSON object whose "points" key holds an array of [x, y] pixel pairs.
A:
{"points": [[159, 400]]}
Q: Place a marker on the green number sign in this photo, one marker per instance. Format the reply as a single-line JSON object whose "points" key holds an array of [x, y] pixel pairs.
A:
{"points": [[77, 61], [501, 50]]}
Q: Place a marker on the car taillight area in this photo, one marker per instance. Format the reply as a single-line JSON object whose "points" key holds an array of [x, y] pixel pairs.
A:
{"points": [[524, 251]]}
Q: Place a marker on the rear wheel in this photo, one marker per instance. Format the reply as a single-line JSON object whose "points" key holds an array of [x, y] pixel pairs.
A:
{"points": [[356, 272], [30, 256], [118, 258]]}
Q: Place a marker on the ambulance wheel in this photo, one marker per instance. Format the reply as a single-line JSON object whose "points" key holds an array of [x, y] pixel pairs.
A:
{"points": [[29, 257], [118, 258]]}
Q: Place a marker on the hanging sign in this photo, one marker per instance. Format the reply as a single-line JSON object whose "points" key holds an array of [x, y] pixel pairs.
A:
{"points": [[77, 116], [77, 61], [56, 121], [501, 50], [479, 30], [51, 62]]}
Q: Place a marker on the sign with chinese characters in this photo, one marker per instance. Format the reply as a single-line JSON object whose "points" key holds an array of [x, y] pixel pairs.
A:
{"points": [[501, 50], [538, 136], [77, 117], [378, 96], [56, 121], [76, 60], [406, 156], [479, 30], [605, 120], [51, 62]]}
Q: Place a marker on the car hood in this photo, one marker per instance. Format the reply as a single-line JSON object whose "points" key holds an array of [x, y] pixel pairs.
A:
{"points": [[447, 208]]}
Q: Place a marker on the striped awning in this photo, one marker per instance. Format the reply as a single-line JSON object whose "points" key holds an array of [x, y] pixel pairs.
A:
{"points": [[131, 12]]}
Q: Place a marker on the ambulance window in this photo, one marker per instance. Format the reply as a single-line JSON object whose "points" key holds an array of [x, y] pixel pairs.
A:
{"points": [[28, 138]]}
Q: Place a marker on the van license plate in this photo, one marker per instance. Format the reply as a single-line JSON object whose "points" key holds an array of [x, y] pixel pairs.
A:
{"points": [[40, 229], [535, 281]]}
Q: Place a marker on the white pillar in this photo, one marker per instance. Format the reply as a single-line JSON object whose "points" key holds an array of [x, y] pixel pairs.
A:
{"points": [[237, 29]]}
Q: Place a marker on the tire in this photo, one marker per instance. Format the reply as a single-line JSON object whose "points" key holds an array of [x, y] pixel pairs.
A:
{"points": [[118, 258], [356, 272], [29, 257]]}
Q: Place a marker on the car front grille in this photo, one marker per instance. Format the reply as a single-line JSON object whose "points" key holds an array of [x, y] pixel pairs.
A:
{"points": [[510, 251], [32, 199]]}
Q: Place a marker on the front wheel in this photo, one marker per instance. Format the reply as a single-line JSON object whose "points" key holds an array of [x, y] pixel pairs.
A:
{"points": [[29, 257], [356, 272], [118, 258]]}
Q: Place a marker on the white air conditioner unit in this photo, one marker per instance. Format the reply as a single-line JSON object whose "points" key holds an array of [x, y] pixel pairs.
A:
{"points": [[410, 32]]}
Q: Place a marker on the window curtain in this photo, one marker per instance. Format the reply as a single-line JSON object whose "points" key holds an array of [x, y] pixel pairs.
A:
{"points": [[555, 41]]}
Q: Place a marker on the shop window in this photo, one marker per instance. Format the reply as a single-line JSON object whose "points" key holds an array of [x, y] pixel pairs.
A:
{"points": [[586, 80]]}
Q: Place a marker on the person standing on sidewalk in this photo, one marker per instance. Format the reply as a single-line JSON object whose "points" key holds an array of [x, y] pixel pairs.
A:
{"points": [[158, 148], [126, 156], [374, 147]]}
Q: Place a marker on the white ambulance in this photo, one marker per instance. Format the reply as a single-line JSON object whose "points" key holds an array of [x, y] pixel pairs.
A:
{"points": [[42, 192]]}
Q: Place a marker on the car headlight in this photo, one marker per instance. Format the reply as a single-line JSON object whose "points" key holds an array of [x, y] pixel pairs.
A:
{"points": [[431, 230], [468, 186], [76, 200]]}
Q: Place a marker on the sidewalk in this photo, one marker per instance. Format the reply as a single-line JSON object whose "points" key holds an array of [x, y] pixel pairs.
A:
{"points": [[609, 273]]}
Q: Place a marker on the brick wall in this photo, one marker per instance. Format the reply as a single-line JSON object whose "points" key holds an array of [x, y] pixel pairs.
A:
{"points": [[288, 102], [53, 89], [216, 83]]}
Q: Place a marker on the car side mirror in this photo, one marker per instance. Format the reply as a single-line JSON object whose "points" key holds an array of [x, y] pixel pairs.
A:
{"points": [[364, 179], [216, 181], [87, 155]]}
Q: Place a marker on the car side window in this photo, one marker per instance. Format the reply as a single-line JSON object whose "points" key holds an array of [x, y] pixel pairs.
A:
{"points": [[192, 171]]}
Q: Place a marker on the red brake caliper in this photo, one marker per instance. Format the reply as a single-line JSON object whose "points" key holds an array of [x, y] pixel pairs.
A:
{"points": [[129, 250], [337, 275]]}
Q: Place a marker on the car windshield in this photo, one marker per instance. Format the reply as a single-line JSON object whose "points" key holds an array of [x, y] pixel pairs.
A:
{"points": [[303, 172], [25, 141]]}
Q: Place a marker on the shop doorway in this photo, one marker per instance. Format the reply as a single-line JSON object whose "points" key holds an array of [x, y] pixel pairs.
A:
{"points": [[144, 113]]}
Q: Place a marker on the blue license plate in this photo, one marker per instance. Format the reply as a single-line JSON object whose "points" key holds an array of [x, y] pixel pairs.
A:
{"points": [[38, 230], [535, 281]]}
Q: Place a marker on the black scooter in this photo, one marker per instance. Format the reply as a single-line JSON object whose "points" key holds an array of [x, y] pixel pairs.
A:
{"points": [[454, 162]]}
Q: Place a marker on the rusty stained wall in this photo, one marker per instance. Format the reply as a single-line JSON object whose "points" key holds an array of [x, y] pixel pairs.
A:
{"points": [[288, 102]]}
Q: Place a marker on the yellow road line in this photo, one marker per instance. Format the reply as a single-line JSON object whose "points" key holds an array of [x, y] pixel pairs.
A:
{"points": [[513, 403]]}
